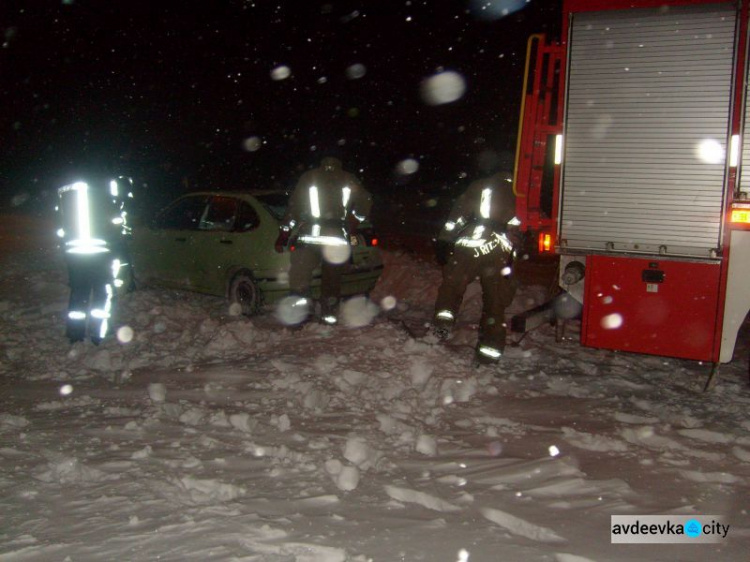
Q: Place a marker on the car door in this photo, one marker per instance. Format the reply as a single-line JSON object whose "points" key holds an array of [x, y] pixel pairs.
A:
{"points": [[215, 247], [239, 234], [162, 252]]}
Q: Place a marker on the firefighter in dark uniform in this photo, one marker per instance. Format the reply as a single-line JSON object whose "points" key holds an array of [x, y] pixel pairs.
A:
{"points": [[479, 240], [324, 211], [92, 219]]}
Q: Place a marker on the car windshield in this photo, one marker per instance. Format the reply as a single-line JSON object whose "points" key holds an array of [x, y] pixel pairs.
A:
{"points": [[275, 203]]}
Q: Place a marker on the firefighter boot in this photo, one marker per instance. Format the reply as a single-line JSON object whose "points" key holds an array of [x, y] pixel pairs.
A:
{"points": [[329, 311]]}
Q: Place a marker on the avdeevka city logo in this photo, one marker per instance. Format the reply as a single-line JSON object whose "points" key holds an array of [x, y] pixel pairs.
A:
{"points": [[693, 528]]}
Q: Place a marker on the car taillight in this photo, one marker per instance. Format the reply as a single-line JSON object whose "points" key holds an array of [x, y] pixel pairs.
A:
{"points": [[545, 242]]}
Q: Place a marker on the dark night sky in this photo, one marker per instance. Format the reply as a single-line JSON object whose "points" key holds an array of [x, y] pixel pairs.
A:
{"points": [[174, 94]]}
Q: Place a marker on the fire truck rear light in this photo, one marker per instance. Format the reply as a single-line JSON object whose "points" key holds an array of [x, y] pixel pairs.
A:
{"points": [[734, 151], [545, 242], [558, 149], [741, 216]]}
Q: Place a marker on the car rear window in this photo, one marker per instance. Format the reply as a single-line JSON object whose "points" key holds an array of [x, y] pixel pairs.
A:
{"points": [[275, 203]]}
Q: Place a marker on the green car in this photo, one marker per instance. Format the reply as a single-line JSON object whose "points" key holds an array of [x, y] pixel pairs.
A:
{"points": [[223, 244]]}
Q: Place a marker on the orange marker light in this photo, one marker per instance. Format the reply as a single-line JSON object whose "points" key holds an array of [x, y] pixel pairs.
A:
{"points": [[545, 242]]}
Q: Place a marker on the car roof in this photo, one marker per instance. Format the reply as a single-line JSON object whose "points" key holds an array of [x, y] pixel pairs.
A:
{"points": [[251, 192]]}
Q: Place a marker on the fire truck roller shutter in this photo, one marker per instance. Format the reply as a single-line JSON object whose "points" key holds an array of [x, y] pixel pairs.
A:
{"points": [[647, 113]]}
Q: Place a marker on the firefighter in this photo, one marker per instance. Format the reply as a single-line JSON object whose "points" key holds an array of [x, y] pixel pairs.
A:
{"points": [[324, 211], [93, 226], [479, 239]]}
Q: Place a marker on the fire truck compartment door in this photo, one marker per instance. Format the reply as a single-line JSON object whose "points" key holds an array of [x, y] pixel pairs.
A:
{"points": [[646, 129], [659, 307]]}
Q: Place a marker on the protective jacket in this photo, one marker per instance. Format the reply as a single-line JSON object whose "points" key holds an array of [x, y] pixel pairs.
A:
{"points": [[481, 228], [324, 211], [483, 217], [326, 206], [92, 220]]}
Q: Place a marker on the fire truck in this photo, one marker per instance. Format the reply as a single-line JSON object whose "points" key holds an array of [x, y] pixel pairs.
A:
{"points": [[633, 166]]}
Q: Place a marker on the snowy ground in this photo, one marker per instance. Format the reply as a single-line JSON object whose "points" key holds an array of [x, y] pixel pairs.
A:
{"points": [[199, 435]]}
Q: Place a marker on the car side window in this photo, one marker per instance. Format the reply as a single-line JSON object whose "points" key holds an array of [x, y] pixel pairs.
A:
{"points": [[184, 214], [221, 214], [247, 218]]}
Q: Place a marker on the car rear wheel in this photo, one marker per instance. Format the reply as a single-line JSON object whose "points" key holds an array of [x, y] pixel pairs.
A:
{"points": [[243, 291]]}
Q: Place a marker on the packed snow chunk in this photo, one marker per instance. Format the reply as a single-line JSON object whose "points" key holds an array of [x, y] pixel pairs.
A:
{"points": [[710, 477], [420, 372], [316, 400], [193, 416], [144, 453], [157, 392], [206, 491], [101, 361], [69, 470], [707, 436], [282, 422], [458, 390], [334, 467], [297, 552], [427, 445], [520, 527], [359, 453], [742, 454], [354, 378], [390, 425], [592, 442], [348, 479], [243, 422], [425, 500], [565, 557], [9, 421]]}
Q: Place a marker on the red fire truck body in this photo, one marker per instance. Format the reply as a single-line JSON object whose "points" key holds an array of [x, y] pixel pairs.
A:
{"points": [[633, 165]]}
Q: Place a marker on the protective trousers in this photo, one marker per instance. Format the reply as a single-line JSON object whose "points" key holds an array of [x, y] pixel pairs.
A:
{"points": [[498, 290], [91, 295], [304, 260]]}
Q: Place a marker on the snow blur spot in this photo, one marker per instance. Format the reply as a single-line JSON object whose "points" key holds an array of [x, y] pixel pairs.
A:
{"points": [[612, 321], [607, 300], [553, 451], [281, 72], [66, 390], [356, 71], [506, 271], [388, 303], [322, 80], [292, 310], [157, 392], [496, 9], [463, 555], [407, 167], [251, 144], [566, 307], [495, 448], [358, 311], [19, 199], [235, 309], [710, 151], [125, 334], [337, 254], [444, 87]]}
